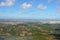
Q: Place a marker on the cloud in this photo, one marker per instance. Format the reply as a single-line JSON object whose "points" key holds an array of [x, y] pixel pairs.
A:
{"points": [[58, 1], [2, 4], [26, 5], [42, 7], [7, 3], [49, 1], [58, 9], [32, 1]]}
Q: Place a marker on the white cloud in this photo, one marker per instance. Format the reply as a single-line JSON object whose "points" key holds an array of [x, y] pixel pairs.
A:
{"points": [[7, 3], [58, 1], [58, 9], [2, 4], [49, 1], [42, 7], [26, 5]]}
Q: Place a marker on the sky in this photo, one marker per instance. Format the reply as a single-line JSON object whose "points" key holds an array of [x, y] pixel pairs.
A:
{"points": [[30, 9]]}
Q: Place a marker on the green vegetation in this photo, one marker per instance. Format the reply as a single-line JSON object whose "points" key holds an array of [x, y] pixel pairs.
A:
{"points": [[35, 30]]}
